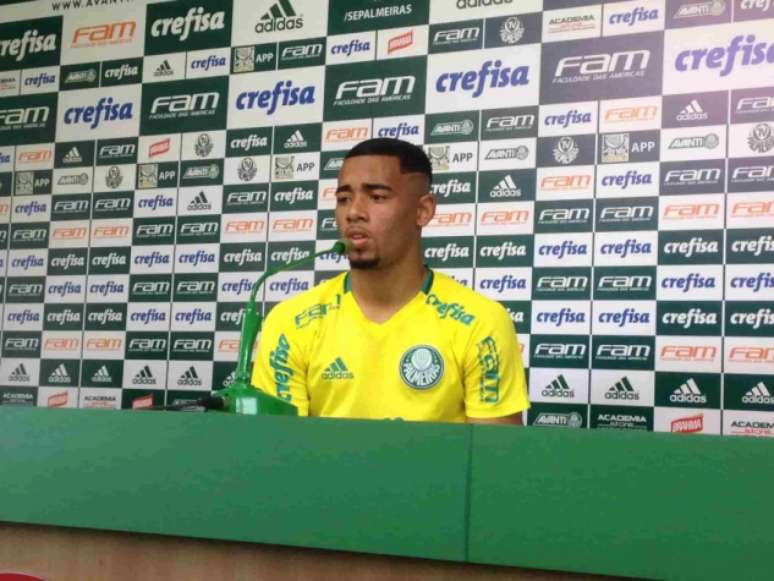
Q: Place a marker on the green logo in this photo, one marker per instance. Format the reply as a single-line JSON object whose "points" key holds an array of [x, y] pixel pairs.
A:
{"points": [[451, 252], [355, 91], [194, 105], [177, 27], [30, 43], [352, 16], [421, 367], [337, 370], [29, 119], [449, 127]]}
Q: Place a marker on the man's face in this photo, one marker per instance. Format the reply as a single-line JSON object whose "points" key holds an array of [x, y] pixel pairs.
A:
{"points": [[380, 210]]}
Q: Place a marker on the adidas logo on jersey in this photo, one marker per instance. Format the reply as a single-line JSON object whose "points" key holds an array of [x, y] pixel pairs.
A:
{"points": [[622, 389], [506, 188], [144, 377], [59, 375], [759, 394], [296, 140], [164, 69], [200, 202], [19, 374], [190, 377], [688, 392], [558, 388], [102, 375], [693, 111], [72, 156], [281, 16], [337, 370]]}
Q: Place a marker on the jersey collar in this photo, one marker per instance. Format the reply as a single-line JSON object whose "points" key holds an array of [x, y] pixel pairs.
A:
{"points": [[427, 281]]}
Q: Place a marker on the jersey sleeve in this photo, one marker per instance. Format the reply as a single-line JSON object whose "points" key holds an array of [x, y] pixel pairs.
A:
{"points": [[280, 366], [494, 381]]}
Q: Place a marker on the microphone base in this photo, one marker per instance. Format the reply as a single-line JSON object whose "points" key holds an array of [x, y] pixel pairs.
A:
{"points": [[244, 399]]}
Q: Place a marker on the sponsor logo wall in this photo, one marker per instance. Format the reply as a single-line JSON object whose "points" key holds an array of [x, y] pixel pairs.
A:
{"points": [[604, 170]]}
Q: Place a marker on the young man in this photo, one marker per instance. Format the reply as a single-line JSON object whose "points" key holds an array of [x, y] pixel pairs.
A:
{"points": [[391, 338]]}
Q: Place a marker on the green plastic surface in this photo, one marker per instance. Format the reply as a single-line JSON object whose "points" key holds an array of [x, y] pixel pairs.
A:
{"points": [[649, 505], [620, 503], [363, 486]]}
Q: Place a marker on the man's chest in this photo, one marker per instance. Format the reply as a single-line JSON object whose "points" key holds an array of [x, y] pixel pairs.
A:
{"points": [[404, 357]]}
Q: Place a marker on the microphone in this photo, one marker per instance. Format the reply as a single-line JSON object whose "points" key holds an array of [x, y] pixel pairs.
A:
{"points": [[241, 396]]}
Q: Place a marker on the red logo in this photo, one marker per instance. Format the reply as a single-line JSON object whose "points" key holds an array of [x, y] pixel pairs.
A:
{"points": [[690, 425], [159, 148]]}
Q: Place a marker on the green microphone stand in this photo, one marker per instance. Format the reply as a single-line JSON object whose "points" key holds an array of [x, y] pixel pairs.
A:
{"points": [[241, 397]]}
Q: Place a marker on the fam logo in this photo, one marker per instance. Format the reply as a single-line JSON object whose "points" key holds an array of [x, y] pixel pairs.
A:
{"points": [[605, 68], [104, 35], [352, 91], [200, 103], [28, 119]]}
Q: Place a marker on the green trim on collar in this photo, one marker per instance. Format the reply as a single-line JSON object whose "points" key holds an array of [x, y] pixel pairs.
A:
{"points": [[427, 281]]}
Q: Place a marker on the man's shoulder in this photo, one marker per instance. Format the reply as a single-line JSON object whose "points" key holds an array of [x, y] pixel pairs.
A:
{"points": [[460, 302], [297, 305]]}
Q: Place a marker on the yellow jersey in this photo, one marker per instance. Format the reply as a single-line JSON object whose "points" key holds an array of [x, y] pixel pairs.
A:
{"points": [[447, 354]]}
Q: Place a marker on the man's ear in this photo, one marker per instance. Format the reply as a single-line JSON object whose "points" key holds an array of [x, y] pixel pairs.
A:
{"points": [[425, 209]]}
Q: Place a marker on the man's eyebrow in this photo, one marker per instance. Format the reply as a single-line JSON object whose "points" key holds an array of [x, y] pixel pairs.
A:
{"points": [[367, 186]]}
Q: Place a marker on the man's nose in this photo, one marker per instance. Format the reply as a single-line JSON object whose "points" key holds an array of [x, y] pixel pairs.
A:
{"points": [[357, 208]]}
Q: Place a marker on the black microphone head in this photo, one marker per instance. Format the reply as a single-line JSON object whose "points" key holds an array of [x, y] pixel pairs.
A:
{"points": [[341, 246]]}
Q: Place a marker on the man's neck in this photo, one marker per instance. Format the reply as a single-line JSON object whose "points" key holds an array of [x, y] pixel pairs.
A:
{"points": [[380, 293]]}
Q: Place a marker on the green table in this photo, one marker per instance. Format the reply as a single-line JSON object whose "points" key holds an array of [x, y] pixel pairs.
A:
{"points": [[652, 505]]}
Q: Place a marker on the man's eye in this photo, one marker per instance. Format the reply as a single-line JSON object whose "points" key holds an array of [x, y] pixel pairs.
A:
{"points": [[342, 199]]}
